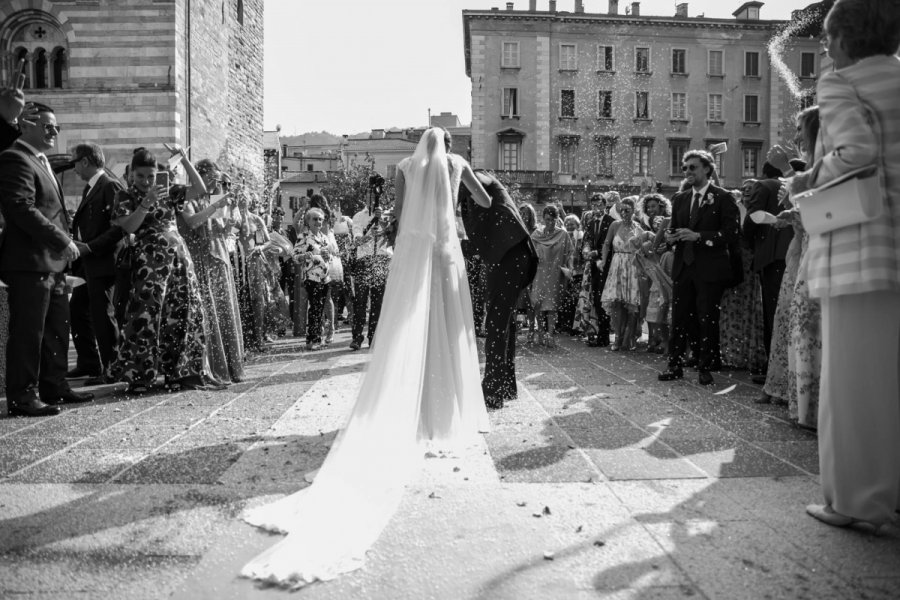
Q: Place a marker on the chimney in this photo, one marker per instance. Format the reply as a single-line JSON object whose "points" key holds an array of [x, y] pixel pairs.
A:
{"points": [[635, 9], [681, 10], [510, 5], [532, 5], [613, 7], [552, 5], [579, 6]]}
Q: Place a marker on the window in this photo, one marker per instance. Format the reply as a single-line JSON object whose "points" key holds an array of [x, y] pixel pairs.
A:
{"points": [[605, 58], [40, 69], [568, 149], [642, 60], [714, 66], [750, 160], [679, 106], [309, 166], [567, 104], [510, 102], [510, 56], [642, 105], [677, 150], [509, 154], [641, 150], [679, 57], [807, 64], [568, 58], [605, 105], [751, 64], [36, 39], [751, 109], [718, 159], [605, 148], [714, 108]]}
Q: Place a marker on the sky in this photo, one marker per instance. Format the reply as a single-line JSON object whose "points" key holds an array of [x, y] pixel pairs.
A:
{"points": [[349, 66]]}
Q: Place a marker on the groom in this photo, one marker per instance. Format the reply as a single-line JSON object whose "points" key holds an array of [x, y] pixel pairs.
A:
{"points": [[499, 236]]}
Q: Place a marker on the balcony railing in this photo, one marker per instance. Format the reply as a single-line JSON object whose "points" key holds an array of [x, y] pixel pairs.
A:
{"points": [[535, 178]]}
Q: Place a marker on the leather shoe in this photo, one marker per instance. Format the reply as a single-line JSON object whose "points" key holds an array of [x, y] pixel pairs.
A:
{"points": [[764, 399], [79, 372], [32, 407], [356, 344], [759, 379], [69, 397], [671, 374], [705, 378]]}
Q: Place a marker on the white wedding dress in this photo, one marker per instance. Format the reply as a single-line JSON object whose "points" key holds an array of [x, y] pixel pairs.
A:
{"points": [[421, 391]]}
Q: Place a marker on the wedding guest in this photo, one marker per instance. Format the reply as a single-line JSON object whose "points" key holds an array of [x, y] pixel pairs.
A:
{"points": [[523, 305], [202, 224], [741, 344], [163, 328], [566, 315], [855, 271], [373, 259], [95, 332], [254, 242], [36, 248], [335, 267], [769, 244], [299, 299], [621, 296], [315, 251], [595, 237], [555, 252], [342, 291], [651, 212]]}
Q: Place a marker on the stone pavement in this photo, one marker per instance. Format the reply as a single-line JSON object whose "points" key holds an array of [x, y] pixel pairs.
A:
{"points": [[598, 482]]}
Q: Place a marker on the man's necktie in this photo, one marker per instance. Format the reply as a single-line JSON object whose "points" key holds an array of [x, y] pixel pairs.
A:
{"points": [[689, 246]]}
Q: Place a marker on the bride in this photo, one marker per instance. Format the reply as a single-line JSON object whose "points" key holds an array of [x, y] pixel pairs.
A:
{"points": [[421, 390]]}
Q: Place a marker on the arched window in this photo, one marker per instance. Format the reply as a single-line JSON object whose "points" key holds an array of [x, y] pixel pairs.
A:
{"points": [[40, 69], [60, 67], [240, 11], [28, 34]]}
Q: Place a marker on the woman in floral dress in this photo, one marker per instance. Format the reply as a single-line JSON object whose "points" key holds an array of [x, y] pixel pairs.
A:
{"points": [[163, 329], [621, 296]]}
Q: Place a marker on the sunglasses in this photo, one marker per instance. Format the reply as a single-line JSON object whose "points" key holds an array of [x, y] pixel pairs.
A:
{"points": [[689, 167], [51, 128]]}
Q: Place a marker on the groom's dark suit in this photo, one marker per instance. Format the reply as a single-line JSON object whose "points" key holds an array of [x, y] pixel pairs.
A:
{"points": [[91, 306], [700, 272], [31, 263], [499, 236]]}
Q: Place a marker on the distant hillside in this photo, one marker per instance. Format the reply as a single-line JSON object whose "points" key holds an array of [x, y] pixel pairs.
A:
{"points": [[312, 138]]}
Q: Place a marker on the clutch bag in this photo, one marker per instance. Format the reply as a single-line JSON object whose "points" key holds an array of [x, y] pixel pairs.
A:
{"points": [[851, 199]]}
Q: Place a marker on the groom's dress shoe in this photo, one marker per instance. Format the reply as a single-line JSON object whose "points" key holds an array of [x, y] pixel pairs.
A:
{"points": [[705, 378], [671, 374], [69, 397], [31, 407]]}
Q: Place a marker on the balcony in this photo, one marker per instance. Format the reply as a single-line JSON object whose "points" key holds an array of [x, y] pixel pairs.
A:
{"points": [[527, 178]]}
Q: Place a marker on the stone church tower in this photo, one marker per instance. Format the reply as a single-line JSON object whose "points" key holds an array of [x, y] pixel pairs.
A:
{"points": [[129, 73]]}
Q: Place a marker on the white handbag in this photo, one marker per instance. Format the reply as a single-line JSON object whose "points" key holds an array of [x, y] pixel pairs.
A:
{"points": [[851, 199]]}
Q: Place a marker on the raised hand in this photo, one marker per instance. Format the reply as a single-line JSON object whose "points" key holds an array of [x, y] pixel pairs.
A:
{"points": [[12, 99]]}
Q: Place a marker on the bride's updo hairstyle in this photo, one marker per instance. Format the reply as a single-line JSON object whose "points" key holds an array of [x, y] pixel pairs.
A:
{"points": [[142, 158], [448, 140]]}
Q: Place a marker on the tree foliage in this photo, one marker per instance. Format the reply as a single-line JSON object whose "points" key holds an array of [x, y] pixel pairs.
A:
{"points": [[349, 187]]}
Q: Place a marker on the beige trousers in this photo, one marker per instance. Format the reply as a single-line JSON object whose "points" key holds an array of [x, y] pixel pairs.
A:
{"points": [[859, 410]]}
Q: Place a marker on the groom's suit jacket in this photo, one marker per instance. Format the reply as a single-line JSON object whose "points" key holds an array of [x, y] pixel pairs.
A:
{"points": [[494, 231]]}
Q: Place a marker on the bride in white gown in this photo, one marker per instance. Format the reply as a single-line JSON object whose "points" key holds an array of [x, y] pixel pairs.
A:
{"points": [[421, 390]]}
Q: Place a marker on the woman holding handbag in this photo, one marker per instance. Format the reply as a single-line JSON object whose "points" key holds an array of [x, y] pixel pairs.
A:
{"points": [[855, 270]]}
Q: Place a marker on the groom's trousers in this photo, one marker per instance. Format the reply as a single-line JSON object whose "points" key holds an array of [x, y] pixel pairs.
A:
{"points": [[504, 281]]}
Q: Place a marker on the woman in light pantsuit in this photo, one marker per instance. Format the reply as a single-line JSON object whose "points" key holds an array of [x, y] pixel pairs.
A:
{"points": [[855, 271]]}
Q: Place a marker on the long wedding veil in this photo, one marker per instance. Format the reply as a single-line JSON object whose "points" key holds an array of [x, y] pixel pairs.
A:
{"points": [[332, 523]]}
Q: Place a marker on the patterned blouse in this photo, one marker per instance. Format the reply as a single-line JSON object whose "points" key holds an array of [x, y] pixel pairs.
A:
{"points": [[159, 220], [311, 244]]}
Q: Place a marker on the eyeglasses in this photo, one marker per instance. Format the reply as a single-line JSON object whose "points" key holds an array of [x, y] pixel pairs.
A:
{"points": [[688, 167]]}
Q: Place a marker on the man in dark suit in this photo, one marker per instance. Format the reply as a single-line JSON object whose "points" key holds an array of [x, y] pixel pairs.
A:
{"points": [[705, 222], [594, 237], [498, 235], [769, 245], [91, 306], [36, 249]]}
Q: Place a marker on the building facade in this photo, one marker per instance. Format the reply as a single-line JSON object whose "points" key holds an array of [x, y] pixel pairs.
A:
{"points": [[126, 73], [569, 103]]}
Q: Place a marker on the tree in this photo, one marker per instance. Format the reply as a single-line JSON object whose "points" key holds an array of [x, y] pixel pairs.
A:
{"points": [[349, 187]]}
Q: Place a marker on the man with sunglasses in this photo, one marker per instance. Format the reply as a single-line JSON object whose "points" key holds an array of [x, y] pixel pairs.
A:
{"points": [[35, 253], [705, 222]]}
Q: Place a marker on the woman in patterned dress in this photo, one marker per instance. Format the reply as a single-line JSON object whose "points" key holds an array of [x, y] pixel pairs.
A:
{"points": [[163, 329], [621, 296], [555, 252]]}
